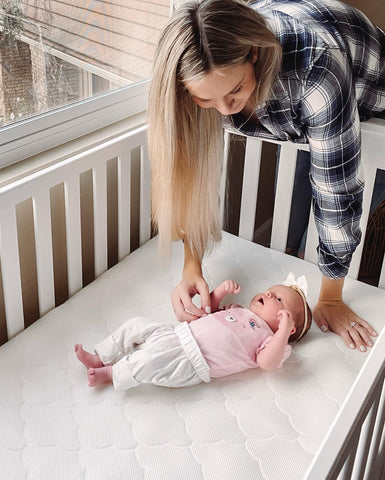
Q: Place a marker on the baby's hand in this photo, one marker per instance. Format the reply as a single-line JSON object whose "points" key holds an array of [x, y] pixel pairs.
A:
{"points": [[286, 321], [231, 287], [228, 287]]}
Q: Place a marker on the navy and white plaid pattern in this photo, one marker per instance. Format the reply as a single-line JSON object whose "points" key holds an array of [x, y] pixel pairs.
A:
{"points": [[332, 77]]}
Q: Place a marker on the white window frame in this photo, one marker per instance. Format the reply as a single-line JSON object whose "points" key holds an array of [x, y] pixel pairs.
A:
{"points": [[21, 140], [39, 133]]}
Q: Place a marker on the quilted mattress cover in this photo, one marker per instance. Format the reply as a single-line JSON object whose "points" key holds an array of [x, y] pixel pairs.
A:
{"points": [[254, 425]]}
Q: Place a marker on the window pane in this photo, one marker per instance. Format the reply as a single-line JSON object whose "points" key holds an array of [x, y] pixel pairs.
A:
{"points": [[54, 53]]}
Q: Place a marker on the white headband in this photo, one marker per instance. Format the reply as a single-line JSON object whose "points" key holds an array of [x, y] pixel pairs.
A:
{"points": [[301, 287], [300, 282]]}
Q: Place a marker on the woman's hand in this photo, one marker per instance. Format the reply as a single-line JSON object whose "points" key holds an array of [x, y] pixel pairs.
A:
{"points": [[192, 284], [338, 317], [331, 313], [181, 298]]}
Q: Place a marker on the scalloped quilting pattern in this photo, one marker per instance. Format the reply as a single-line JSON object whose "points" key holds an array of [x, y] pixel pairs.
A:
{"points": [[254, 425]]}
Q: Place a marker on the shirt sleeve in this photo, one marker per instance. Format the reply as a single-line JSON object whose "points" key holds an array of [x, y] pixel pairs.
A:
{"points": [[330, 116]]}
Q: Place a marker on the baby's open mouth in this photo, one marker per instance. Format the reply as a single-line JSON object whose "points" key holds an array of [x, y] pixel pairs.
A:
{"points": [[261, 301]]}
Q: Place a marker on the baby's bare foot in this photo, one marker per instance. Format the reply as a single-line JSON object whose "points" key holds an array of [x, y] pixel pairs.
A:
{"points": [[99, 376], [88, 359]]}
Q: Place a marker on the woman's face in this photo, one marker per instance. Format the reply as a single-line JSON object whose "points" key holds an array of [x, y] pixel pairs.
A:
{"points": [[226, 89]]}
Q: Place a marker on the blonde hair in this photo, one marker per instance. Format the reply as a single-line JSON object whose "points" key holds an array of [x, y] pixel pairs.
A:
{"points": [[186, 141]]}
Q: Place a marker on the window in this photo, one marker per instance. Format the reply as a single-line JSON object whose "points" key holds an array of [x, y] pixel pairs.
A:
{"points": [[69, 67]]}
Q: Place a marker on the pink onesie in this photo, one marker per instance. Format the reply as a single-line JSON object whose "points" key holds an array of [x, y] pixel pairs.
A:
{"points": [[231, 339]]}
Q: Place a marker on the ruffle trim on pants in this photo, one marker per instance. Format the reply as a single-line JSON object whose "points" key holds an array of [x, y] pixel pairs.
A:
{"points": [[193, 351]]}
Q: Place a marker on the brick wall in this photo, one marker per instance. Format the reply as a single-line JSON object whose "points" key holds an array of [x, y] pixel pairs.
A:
{"points": [[33, 82], [16, 81], [65, 82], [38, 72]]}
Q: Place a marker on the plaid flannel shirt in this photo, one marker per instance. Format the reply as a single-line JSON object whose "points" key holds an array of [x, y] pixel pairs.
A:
{"points": [[332, 77]]}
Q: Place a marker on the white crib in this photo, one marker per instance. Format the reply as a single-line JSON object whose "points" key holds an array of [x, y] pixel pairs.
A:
{"points": [[47, 430]]}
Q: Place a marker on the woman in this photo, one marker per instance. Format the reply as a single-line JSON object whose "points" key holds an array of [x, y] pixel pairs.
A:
{"points": [[292, 70]]}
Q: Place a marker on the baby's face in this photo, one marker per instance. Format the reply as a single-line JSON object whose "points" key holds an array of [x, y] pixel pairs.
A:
{"points": [[278, 297]]}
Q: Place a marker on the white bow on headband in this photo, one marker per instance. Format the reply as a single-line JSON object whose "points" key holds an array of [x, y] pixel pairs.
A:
{"points": [[300, 282]]}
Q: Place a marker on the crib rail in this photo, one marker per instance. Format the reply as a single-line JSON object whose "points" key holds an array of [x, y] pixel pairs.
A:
{"points": [[37, 188], [354, 448]]}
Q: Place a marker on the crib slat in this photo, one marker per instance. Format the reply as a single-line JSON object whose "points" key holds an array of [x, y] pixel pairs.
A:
{"points": [[380, 463], [347, 469], [44, 255], [100, 217], [73, 233], [365, 441], [145, 196], [311, 240], [223, 183], [370, 177], [373, 136], [284, 191], [381, 282], [250, 188], [124, 204], [376, 455], [10, 267]]}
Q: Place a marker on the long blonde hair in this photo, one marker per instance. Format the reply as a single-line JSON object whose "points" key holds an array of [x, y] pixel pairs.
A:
{"points": [[186, 141]]}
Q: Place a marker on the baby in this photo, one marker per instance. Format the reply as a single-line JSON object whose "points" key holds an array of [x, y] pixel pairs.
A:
{"points": [[229, 340]]}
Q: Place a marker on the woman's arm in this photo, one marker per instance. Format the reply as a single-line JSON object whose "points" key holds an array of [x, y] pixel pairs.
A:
{"points": [[335, 148], [192, 284]]}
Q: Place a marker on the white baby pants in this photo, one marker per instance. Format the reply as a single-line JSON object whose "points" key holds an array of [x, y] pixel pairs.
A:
{"points": [[143, 351]]}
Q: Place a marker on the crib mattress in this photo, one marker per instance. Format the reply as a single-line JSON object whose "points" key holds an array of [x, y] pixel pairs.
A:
{"points": [[253, 425]]}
